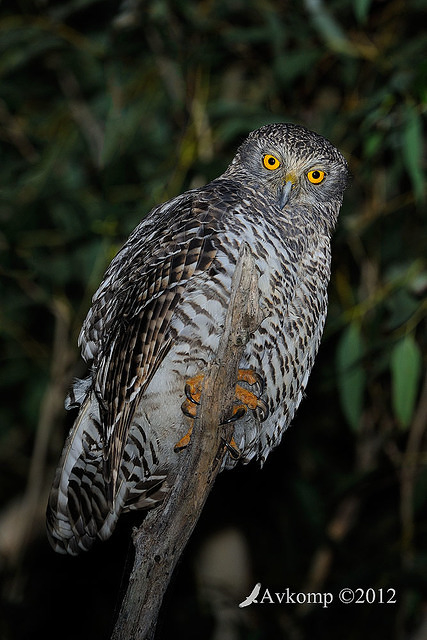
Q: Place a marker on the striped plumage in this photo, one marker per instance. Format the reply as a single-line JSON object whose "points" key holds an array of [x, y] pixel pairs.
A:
{"points": [[157, 317]]}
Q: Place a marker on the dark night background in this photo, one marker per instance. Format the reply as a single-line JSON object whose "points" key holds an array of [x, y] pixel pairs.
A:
{"points": [[109, 108]]}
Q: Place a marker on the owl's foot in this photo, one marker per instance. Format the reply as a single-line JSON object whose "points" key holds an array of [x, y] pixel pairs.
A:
{"points": [[230, 446], [247, 400]]}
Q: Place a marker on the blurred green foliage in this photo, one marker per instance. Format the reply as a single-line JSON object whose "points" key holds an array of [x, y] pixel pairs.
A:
{"points": [[108, 108]]}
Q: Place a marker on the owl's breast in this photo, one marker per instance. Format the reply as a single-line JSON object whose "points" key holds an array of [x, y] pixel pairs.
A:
{"points": [[294, 271], [292, 277]]}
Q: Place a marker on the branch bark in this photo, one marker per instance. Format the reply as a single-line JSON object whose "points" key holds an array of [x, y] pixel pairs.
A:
{"points": [[160, 540]]}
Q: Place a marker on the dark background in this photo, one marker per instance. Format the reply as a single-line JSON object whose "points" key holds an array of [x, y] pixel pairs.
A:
{"points": [[107, 109]]}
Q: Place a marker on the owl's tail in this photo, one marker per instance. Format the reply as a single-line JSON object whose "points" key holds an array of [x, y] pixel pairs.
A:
{"points": [[79, 509]]}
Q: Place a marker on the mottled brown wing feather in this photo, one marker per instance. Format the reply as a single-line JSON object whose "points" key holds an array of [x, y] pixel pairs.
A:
{"points": [[127, 332]]}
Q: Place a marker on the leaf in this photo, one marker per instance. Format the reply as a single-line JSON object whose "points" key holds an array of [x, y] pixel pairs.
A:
{"points": [[405, 365], [401, 305], [373, 143], [329, 28], [361, 9], [351, 374], [413, 152]]}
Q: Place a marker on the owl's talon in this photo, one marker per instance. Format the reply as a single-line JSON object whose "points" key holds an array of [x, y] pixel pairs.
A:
{"points": [[251, 377], [261, 383], [232, 448], [238, 412], [189, 393], [185, 440], [262, 410], [193, 388], [188, 408]]}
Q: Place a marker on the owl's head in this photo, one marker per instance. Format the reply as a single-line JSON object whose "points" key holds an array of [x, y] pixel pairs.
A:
{"points": [[295, 164]]}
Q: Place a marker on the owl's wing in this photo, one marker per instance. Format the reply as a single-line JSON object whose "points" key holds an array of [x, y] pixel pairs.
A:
{"points": [[127, 332]]}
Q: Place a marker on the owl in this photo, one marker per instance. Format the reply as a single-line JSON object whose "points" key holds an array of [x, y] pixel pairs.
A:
{"points": [[157, 317]]}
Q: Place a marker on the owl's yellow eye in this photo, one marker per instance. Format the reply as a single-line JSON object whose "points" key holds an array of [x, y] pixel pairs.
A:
{"points": [[270, 162], [316, 176]]}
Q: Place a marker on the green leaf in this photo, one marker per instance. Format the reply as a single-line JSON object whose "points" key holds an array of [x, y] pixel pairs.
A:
{"points": [[405, 365], [373, 143], [351, 374], [413, 152], [361, 9]]}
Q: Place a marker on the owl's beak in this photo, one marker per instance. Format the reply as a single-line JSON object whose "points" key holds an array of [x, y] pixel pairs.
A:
{"points": [[285, 193]]}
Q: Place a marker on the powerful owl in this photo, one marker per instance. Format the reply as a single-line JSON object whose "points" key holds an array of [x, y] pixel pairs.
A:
{"points": [[157, 317]]}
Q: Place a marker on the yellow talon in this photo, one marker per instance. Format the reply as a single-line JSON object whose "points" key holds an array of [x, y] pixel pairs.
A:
{"points": [[185, 440]]}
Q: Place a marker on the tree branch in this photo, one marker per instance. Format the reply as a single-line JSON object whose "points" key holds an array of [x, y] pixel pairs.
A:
{"points": [[166, 530]]}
